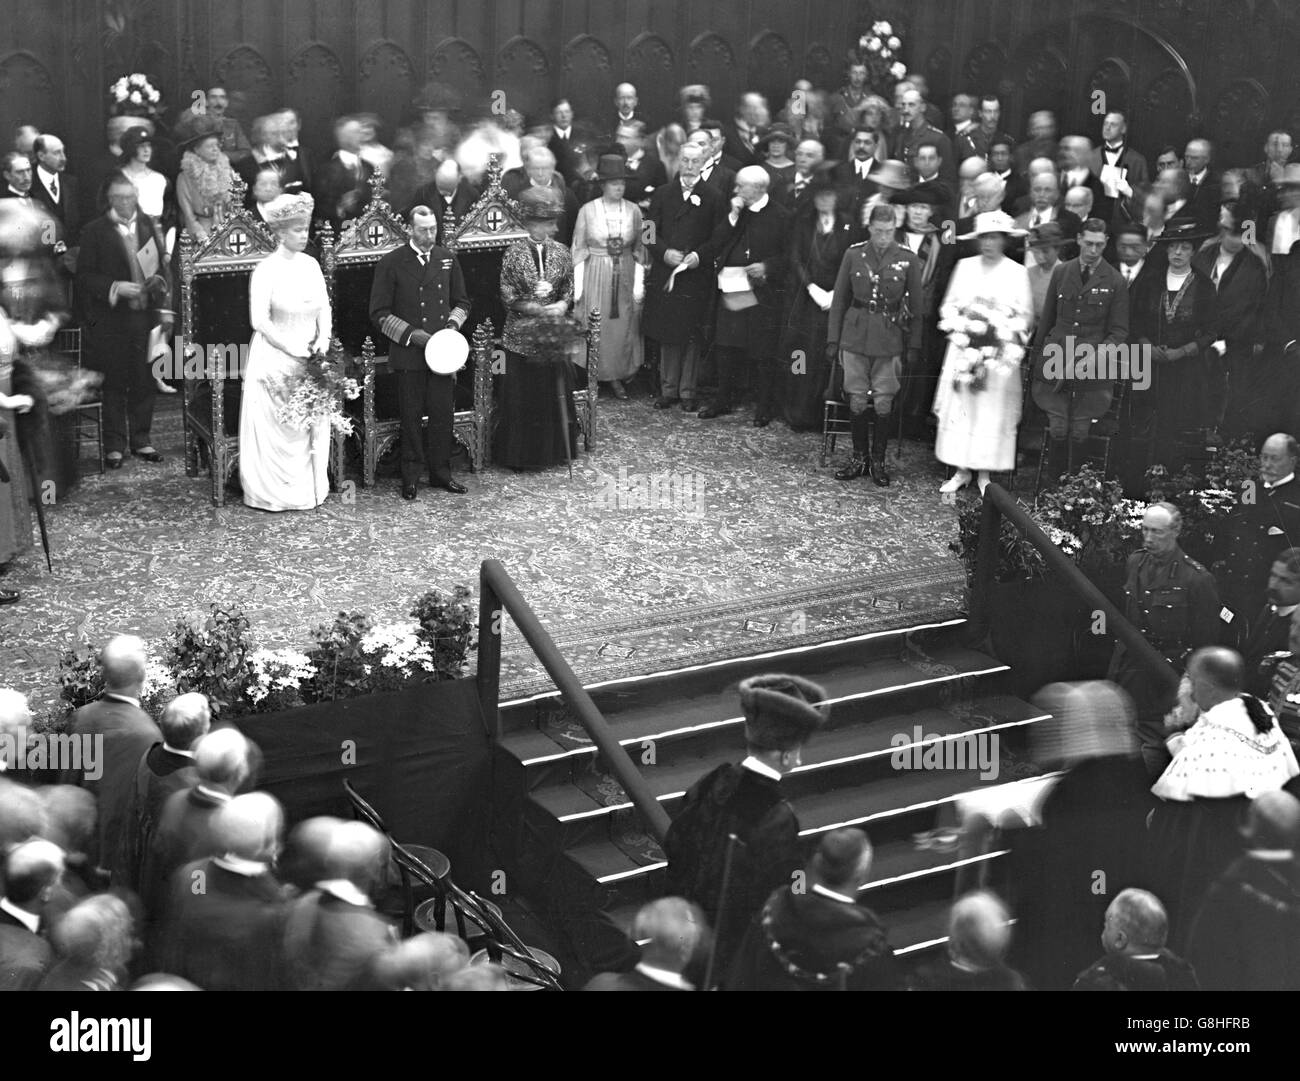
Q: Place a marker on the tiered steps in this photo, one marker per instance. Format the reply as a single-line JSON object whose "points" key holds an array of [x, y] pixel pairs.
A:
{"points": [[572, 838]]}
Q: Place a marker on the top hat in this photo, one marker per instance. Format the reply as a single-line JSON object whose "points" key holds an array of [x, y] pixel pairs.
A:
{"points": [[541, 204], [611, 167], [781, 711], [993, 221]]}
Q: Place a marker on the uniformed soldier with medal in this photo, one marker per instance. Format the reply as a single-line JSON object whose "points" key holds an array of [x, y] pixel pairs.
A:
{"points": [[876, 316]]}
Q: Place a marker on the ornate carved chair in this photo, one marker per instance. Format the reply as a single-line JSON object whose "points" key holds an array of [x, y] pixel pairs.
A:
{"points": [[349, 265], [493, 223], [215, 334]]}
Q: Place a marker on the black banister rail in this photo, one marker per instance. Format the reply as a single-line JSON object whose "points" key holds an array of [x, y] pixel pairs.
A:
{"points": [[998, 503], [498, 596]]}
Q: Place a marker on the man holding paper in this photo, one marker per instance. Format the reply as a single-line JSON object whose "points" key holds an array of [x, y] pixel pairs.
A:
{"points": [[1121, 169], [683, 216], [752, 245], [122, 279]]}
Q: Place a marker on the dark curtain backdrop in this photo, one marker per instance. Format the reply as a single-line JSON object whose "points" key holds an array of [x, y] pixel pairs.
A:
{"points": [[1224, 68]]}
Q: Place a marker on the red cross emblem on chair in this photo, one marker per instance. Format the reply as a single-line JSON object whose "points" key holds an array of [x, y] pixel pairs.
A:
{"points": [[238, 241], [494, 218], [374, 234]]}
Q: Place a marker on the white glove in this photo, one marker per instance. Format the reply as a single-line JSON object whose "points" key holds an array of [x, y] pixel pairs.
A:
{"points": [[579, 273], [638, 283]]}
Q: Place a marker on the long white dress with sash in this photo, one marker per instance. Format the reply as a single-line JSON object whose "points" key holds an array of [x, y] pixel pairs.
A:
{"points": [[282, 468]]}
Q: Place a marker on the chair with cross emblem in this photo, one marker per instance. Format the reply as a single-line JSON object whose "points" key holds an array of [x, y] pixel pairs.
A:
{"points": [[215, 336], [349, 266], [491, 225]]}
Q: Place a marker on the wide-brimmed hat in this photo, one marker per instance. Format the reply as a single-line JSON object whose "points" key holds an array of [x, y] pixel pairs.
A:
{"points": [[695, 94], [892, 174], [541, 204], [194, 128], [1187, 230], [779, 130], [993, 221], [1047, 235], [924, 194], [611, 167]]}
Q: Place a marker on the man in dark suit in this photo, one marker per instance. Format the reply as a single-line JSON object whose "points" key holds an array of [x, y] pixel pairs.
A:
{"points": [[1087, 304], [56, 189], [540, 171], [673, 931], [32, 874], [646, 173], [853, 176], [223, 937], [1267, 632], [332, 933], [1041, 142], [929, 179], [716, 173], [122, 282], [1203, 184], [342, 186], [917, 130], [742, 133], [1045, 206], [269, 148], [921, 234], [1076, 172], [300, 168], [684, 214], [781, 714], [817, 937], [1015, 193], [752, 253], [450, 196], [808, 155], [123, 732], [989, 130], [419, 290], [565, 139], [165, 768], [1261, 529], [1121, 169], [625, 110]]}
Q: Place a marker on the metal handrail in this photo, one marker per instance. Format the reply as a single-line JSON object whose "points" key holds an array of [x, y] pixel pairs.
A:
{"points": [[499, 595], [998, 503]]}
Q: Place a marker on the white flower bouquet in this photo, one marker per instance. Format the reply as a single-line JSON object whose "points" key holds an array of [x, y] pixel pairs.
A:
{"points": [[989, 336], [276, 677], [316, 393], [134, 95], [879, 49]]}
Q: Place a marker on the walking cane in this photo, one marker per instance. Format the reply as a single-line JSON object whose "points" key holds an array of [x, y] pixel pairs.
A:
{"points": [[732, 842]]}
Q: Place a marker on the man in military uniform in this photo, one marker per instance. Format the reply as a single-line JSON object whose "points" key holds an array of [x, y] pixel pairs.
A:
{"points": [[781, 713], [1173, 601], [418, 291], [876, 315], [1086, 303], [1264, 524]]}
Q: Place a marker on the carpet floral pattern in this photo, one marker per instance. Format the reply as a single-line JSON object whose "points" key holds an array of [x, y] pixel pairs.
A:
{"points": [[676, 540]]}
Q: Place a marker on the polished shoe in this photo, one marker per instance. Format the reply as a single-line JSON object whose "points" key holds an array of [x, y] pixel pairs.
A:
{"points": [[113, 461], [856, 467], [762, 420], [9, 596], [616, 387], [689, 405], [148, 454], [711, 411], [878, 472], [408, 491], [665, 403], [450, 486]]}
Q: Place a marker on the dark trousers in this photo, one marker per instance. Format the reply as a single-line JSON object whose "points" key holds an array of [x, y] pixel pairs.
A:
{"points": [[129, 391], [733, 364], [422, 394]]}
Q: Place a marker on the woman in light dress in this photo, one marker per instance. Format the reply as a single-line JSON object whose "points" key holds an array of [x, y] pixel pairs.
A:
{"points": [[608, 273], [282, 467], [977, 428]]}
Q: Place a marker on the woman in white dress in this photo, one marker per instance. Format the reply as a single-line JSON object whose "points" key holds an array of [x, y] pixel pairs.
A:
{"points": [[281, 467], [977, 428]]}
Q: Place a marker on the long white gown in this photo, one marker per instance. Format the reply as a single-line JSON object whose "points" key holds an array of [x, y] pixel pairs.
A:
{"points": [[977, 429], [282, 468]]}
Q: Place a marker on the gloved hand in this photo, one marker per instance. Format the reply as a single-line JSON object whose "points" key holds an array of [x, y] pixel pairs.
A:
{"points": [[832, 351], [420, 339]]}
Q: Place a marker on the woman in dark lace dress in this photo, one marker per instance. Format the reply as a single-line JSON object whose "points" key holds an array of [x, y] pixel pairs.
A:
{"points": [[536, 279], [1175, 314]]}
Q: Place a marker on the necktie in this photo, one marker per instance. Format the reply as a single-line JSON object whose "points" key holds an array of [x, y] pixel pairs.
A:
{"points": [[862, 170], [424, 259], [1128, 275], [1038, 218], [54, 189], [1087, 273]]}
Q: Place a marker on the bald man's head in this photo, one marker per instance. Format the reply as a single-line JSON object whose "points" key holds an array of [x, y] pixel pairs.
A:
{"points": [[1273, 822], [31, 871], [223, 758], [447, 177], [185, 720], [1278, 456], [357, 852], [123, 660], [249, 827], [979, 931], [674, 928], [1136, 923], [972, 167], [989, 190], [1217, 674]]}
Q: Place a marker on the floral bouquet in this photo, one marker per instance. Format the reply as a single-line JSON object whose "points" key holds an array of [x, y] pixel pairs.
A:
{"points": [[134, 95], [276, 678], [316, 393], [546, 337], [989, 336], [879, 50], [1092, 511]]}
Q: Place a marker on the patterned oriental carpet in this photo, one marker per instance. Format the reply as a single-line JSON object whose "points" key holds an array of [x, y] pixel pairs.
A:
{"points": [[746, 546]]}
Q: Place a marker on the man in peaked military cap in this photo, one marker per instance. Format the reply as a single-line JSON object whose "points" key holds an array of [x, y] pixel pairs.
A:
{"points": [[781, 713]]}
